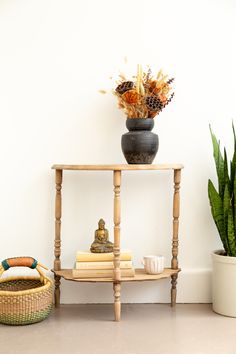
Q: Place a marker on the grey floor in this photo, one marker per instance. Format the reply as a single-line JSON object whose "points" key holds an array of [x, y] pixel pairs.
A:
{"points": [[144, 329]]}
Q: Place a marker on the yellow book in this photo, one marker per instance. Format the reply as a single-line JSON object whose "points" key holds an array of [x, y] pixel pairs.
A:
{"points": [[100, 273], [102, 265], [82, 256]]}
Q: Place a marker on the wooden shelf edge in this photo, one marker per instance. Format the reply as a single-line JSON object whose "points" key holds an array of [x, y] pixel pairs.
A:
{"points": [[118, 167], [140, 275]]}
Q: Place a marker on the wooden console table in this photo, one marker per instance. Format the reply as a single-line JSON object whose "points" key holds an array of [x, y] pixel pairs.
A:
{"points": [[140, 275]]}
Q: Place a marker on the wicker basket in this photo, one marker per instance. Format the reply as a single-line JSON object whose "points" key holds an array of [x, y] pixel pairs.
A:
{"points": [[26, 299]]}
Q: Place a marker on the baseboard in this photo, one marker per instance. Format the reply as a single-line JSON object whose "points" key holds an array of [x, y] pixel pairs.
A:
{"points": [[193, 286]]}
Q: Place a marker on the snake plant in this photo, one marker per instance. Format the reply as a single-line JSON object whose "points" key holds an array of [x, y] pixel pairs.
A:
{"points": [[223, 200]]}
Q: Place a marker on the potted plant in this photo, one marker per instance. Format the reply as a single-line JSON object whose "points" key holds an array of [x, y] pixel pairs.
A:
{"points": [[223, 208], [142, 98]]}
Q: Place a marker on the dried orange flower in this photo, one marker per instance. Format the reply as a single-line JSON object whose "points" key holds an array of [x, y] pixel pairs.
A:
{"points": [[152, 85], [146, 95], [131, 96], [162, 98], [151, 114]]}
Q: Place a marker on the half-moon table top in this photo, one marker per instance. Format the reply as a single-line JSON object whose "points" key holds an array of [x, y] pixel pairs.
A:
{"points": [[118, 167]]}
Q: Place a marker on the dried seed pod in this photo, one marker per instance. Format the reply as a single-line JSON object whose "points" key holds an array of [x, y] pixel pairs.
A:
{"points": [[153, 103], [125, 86], [131, 96]]}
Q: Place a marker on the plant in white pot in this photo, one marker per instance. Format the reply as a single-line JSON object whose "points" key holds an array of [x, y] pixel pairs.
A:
{"points": [[223, 208]]}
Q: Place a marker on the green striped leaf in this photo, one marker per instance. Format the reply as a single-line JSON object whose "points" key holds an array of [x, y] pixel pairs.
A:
{"points": [[231, 235], [219, 162], [226, 171], [234, 203], [218, 213], [233, 162], [234, 156], [226, 208], [232, 176]]}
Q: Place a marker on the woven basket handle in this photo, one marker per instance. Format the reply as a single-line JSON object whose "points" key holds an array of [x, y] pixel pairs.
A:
{"points": [[19, 262], [22, 262]]}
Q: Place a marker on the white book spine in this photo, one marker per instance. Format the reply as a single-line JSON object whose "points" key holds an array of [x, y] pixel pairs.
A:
{"points": [[102, 265]]}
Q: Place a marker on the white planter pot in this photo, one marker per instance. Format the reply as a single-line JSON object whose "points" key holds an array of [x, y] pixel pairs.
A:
{"points": [[224, 284]]}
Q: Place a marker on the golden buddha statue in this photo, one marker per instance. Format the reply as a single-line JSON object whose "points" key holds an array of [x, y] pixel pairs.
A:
{"points": [[101, 243]]}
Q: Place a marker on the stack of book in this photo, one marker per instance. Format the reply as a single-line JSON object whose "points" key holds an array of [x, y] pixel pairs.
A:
{"points": [[100, 265]]}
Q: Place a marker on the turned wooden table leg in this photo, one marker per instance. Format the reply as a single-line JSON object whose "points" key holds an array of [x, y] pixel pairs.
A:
{"points": [[117, 276], [175, 241], [117, 303], [57, 241]]}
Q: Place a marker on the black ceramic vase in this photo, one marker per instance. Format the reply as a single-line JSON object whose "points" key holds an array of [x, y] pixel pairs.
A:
{"points": [[139, 145]]}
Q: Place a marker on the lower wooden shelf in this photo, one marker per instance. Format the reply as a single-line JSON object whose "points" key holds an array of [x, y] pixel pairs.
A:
{"points": [[140, 275]]}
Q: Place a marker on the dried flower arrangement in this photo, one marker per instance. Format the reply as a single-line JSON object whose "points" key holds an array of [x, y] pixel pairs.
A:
{"points": [[146, 96]]}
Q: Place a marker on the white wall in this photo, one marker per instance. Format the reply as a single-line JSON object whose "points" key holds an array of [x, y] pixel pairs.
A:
{"points": [[54, 57]]}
